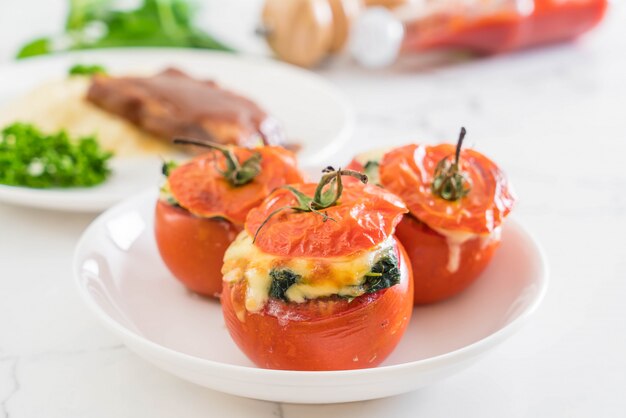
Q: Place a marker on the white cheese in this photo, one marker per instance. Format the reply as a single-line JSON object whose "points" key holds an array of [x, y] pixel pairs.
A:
{"points": [[258, 285], [455, 241], [495, 235]]}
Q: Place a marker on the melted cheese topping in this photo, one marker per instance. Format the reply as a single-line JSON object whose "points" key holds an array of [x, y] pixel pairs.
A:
{"points": [[320, 277], [456, 239]]}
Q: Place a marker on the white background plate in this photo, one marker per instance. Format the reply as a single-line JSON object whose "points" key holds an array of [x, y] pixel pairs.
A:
{"points": [[122, 279], [311, 111]]}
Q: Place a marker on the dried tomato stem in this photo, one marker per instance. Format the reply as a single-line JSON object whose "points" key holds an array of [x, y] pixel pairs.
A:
{"points": [[449, 181], [332, 177], [236, 173], [322, 199], [459, 144]]}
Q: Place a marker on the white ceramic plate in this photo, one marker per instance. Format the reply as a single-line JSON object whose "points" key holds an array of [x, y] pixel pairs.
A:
{"points": [[122, 279], [311, 111]]}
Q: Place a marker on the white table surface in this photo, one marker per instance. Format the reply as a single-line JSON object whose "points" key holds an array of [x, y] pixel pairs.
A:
{"points": [[554, 118]]}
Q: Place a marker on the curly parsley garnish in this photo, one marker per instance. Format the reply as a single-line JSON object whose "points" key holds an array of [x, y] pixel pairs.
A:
{"points": [[31, 158]]}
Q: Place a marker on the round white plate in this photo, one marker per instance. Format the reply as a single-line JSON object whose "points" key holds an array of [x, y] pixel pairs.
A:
{"points": [[122, 279], [311, 111]]}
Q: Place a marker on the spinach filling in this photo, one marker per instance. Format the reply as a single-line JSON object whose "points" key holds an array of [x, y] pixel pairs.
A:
{"points": [[168, 167], [282, 279], [384, 273], [166, 194]]}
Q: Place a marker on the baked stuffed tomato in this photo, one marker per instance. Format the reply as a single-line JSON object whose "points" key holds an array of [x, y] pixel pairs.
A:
{"points": [[457, 201], [204, 203], [316, 280]]}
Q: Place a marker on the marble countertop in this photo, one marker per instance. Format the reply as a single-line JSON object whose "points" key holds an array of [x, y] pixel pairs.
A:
{"points": [[554, 118]]}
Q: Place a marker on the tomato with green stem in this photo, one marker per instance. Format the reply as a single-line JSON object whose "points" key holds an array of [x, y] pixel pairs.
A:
{"points": [[457, 200], [317, 281], [204, 205]]}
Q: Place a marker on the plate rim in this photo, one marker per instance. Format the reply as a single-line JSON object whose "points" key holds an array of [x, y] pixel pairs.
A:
{"points": [[459, 355], [90, 204]]}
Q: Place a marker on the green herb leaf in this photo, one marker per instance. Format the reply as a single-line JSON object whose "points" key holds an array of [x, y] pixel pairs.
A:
{"points": [[85, 69], [167, 167], [31, 158], [101, 24], [40, 46]]}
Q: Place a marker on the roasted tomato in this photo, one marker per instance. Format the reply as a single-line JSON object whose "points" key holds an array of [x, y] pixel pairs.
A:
{"points": [[193, 247], [445, 267], [204, 204], [457, 202], [323, 289]]}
